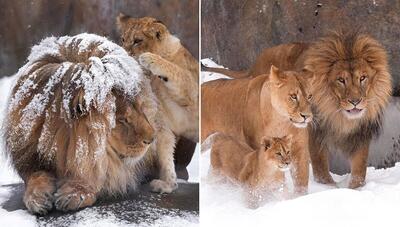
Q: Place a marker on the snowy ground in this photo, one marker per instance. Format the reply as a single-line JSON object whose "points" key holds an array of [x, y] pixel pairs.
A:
{"points": [[87, 217], [375, 204]]}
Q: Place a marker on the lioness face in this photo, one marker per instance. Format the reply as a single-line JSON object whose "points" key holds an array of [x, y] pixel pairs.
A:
{"points": [[289, 96], [350, 82], [133, 134], [141, 35], [278, 150]]}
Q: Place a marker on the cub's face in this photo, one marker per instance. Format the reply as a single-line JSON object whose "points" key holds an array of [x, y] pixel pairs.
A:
{"points": [[139, 35], [278, 151], [133, 134], [350, 82], [290, 96]]}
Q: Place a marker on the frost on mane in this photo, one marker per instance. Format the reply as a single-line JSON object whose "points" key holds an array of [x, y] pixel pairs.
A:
{"points": [[85, 63], [104, 66]]}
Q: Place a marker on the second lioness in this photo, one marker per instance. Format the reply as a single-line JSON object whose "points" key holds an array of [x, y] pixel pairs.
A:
{"points": [[249, 109]]}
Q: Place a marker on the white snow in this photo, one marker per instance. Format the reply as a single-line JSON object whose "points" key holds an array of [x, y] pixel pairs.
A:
{"points": [[375, 204]]}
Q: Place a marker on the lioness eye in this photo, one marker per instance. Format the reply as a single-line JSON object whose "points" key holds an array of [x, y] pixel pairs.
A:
{"points": [[137, 42], [362, 78], [341, 80], [123, 40], [309, 97], [294, 97]]}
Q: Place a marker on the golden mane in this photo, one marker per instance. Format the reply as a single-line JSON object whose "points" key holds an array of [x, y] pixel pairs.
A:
{"points": [[341, 46]]}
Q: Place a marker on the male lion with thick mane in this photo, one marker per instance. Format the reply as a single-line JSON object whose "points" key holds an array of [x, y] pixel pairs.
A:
{"points": [[80, 123], [352, 88], [274, 105], [174, 79]]}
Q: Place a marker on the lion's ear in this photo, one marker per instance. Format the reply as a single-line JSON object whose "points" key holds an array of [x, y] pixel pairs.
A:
{"points": [[275, 76], [266, 143], [157, 31], [121, 21]]}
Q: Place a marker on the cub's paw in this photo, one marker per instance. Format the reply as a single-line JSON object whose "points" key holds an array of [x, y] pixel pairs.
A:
{"points": [[152, 62], [72, 196], [39, 201], [163, 186]]}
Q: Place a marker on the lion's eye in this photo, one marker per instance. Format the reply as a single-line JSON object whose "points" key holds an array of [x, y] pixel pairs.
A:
{"points": [[123, 40], [123, 121], [341, 80], [137, 42], [362, 78], [293, 96], [309, 97]]}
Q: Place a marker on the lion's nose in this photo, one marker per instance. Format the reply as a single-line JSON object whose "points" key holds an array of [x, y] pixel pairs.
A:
{"points": [[355, 102], [304, 116], [148, 141]]}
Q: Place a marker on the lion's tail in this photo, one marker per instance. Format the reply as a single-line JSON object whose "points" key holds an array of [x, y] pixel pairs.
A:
{"points": [[208, 142], [227, 72]]}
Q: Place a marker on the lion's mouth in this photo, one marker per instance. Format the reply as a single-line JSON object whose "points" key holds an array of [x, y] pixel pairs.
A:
{"points": [[299, 124], [354, 113], [283, 167]]}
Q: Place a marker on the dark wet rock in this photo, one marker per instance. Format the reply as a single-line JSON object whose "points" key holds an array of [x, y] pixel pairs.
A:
{"points": [[135, 208], [25, 23]]}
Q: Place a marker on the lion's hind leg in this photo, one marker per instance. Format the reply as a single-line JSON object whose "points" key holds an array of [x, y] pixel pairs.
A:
{"points": [[39, 192], [74, 194]]}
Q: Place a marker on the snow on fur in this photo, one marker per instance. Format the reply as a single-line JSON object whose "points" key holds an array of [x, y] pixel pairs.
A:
{"points": [[85, 62], [116, 69]]}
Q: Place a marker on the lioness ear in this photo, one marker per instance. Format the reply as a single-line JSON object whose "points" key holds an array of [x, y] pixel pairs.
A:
{"points": [[275, 77], [266, 143], [121, 21]]}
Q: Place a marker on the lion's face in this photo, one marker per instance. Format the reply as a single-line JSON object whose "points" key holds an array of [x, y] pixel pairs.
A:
{"points": [[353, 82], [350, 82], [133, 134], [289, 96], [278, 150], [139, 35]]}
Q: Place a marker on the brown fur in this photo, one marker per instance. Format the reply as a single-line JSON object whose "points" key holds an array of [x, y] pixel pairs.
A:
{"points": [[68, 156], [174, 75], [350, 56], [249, 109], [259, 171]]}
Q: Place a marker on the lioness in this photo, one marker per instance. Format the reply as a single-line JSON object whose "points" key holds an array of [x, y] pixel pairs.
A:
{"points": [[175, 85], [79, 123], [272, 105], [352, 89], [259, 171]]}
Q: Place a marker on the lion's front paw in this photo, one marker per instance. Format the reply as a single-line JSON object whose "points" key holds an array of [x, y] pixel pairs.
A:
{"points": [[147, 60], [39, 193], [152, 62], [39, 202], [163, 186], [356, 183], [73, 197]]}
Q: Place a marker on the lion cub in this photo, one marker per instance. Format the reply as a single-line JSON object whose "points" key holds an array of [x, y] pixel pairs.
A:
{"points": [[174, 80], [260, 171]]}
